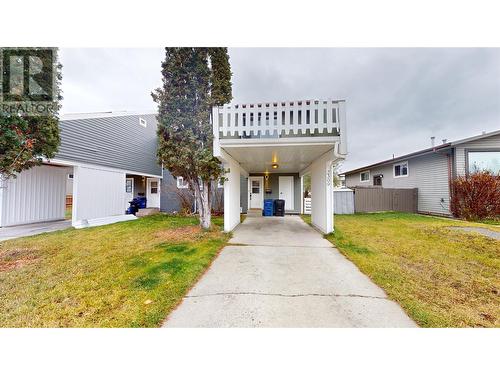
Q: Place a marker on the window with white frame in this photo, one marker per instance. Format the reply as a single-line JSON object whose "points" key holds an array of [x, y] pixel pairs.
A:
{"points": [[400, 169], [364, 176], [479, 161], [181, 184]]}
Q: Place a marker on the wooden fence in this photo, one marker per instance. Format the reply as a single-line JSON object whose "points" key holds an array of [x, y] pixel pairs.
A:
{"points": [[374, 199]]}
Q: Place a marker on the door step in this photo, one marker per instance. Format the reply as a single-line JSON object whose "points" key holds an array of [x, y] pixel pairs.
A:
{"points": [[147, 211]]}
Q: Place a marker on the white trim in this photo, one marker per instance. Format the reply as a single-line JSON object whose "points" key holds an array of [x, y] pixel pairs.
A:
{"points": [[68, 163], [369, 176], [261, 178], [401, 163], [183, 185], [102, 221]]}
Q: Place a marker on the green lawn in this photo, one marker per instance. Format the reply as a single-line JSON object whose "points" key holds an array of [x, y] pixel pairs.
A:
{"points": [[129, 274], [442, 278]]}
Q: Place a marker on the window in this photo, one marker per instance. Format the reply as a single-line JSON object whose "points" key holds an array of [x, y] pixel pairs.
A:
{"points": [[364, 176], [142, 122], [181, 184], [128, 186], [483, 161], [377, 180], [401, 169], [154, 187]]}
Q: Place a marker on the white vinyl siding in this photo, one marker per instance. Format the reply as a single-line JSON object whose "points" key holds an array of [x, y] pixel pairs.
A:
{"points": [[37, 194], [429, 173], [489, 143]]}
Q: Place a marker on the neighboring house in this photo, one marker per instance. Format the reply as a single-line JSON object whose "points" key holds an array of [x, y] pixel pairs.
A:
{"points": [[267, 148], [111, 158], [431, 170]]}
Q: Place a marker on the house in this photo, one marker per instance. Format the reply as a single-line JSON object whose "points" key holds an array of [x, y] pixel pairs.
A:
{"points": [[268, 148], [104, 160], [431, 170]]}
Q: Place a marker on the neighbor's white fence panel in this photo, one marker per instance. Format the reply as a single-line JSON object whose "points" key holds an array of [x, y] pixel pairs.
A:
{"points": [[97, 193], [343, 201], [307, 206], [37, 194]]}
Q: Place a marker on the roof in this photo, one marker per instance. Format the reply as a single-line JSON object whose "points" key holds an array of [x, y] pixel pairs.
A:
{"points": [[437, 148], [106, 114]]}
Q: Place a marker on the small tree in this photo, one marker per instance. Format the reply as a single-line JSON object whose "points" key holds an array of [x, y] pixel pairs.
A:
{"points": [[194, 80], [25, 139], [476, 196]]}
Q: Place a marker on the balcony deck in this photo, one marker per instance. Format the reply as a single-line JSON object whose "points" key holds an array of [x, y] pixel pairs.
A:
{"points": [[272, 121]]}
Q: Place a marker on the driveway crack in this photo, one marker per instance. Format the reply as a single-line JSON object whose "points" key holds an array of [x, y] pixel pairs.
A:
{"points": [[282, 295]]}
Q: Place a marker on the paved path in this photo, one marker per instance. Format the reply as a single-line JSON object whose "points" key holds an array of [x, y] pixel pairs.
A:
{"points": [[280, 272], [484, 231], [18, 231]]}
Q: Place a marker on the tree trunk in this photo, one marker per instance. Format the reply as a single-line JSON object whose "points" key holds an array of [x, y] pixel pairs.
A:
{"points": [[202, 193]]}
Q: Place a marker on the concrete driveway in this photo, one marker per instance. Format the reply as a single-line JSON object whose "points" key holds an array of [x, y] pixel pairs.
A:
{"points": [[280, 272], [9, 233]]}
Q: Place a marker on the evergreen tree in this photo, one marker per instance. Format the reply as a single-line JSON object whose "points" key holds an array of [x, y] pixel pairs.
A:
{"points": [[194, 80]]}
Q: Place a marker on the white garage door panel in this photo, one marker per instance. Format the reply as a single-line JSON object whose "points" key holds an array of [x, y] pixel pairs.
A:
{"points": [[37, 194], [97, 193]]}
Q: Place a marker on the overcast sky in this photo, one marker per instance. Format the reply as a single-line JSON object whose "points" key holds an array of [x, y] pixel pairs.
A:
{"points": [[396, 98]]}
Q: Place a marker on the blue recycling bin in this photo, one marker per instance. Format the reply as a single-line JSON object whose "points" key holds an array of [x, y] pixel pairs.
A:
{"points": [[142, 202], [268, 207]]}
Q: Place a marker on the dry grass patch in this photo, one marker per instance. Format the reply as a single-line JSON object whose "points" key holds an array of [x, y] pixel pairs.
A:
{"points": [[129, 274], [441, 277]]}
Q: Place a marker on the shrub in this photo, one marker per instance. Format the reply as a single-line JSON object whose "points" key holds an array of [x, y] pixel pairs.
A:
{"points": [[476, 196]]}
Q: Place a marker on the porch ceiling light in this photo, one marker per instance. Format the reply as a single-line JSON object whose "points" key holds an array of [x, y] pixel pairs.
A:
{"points": [[275, 165]]}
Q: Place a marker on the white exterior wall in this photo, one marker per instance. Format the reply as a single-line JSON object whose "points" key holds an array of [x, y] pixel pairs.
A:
{"points": [[322, 193], [37, 194], [231, 195], [488, 143], [98, 193], [428, 173]]}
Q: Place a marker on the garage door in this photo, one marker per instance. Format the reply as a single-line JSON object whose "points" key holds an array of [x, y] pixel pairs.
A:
{"points": [[36, 195]]}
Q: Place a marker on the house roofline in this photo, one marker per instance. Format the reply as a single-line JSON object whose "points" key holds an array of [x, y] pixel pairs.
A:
{"points": [[400, 158], [104, 114], [424, 151]]}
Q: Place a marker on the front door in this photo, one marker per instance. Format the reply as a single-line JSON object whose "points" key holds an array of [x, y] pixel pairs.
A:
{"points": [[129, 190], [286, 191], [153, 192], [256, 194]]}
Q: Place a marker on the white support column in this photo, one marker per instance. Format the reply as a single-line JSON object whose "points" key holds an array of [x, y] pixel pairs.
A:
{"points": [[322, 193], [301, 195], [231, 196], [231, 191]]}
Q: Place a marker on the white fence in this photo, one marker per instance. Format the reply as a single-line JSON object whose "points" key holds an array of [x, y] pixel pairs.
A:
{"points": [[343, 202], [297, 117], [307, 206]]}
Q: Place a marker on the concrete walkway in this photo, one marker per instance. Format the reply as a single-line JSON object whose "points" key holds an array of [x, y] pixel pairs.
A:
{"points": [[280, 272], [9, 233], [484, 231]]}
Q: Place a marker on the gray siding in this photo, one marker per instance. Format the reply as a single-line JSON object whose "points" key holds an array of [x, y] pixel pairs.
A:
{"points": [[428, 173], [169, 200], [489, 143], [118, 142], [274, 185]]}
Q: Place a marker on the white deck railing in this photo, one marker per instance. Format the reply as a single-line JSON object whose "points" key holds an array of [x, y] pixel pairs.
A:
{"points": [[278, 119]]}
